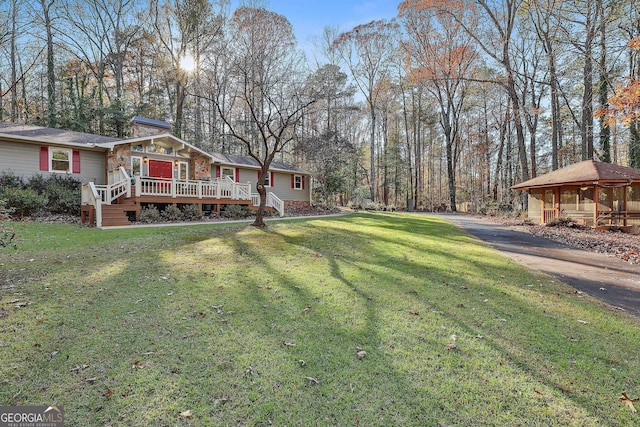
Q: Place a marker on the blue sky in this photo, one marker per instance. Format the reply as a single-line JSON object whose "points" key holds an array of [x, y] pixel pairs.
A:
{"points": [[309, 17]]}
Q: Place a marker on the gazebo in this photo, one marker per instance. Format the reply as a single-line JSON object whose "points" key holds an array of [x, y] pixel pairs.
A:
{"points": [[592, 193]]}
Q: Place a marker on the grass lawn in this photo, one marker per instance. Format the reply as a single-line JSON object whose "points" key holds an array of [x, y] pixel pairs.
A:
{"points": [[232, 325]]}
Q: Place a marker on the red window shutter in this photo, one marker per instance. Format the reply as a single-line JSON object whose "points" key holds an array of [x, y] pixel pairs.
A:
{"points": [[217, 171], [271, 179], [237, 175], [293, 181], [44, 158], [258, 175], [76, 162], [302, 179]]}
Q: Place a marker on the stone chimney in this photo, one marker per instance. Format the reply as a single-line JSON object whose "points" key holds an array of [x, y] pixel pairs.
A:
{"points": [[142, 126]]}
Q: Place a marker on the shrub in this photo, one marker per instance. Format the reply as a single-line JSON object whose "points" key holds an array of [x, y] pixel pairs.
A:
{"points": [[24, 201], [6, 234], [171, 213], [234, 212], [191, 213], [149, 214], [10, 180], [62, 200]]}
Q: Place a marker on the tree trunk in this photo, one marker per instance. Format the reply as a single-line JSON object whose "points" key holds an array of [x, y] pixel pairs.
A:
{"points": [[51, 76]]}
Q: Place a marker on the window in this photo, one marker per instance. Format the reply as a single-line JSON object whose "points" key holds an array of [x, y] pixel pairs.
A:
{"points": [[183, 171], [59, 160], [138, 148], [230, 172], [136, 165], [164, 150], [268, 180], [298, 182]]}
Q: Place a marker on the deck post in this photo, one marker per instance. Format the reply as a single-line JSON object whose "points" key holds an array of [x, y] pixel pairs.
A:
{"points": [[199, 192], [173, 188]]}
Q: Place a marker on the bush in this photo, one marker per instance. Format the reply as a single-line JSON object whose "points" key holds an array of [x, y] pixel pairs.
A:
{"points": [[149, 215], [191, 213], [6, 234], [24, 202], [62, 200], [235, 212], [171, 213], [62, 194], [9, 180]]}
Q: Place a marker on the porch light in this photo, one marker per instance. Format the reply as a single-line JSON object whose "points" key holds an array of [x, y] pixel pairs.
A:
{"points": [[145, 159], [176, 163]]}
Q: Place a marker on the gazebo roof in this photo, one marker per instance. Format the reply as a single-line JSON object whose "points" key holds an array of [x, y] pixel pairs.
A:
{"points": [[588, 171]]}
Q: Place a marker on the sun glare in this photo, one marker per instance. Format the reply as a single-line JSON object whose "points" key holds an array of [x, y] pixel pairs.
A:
{"points": [[187, 63]]}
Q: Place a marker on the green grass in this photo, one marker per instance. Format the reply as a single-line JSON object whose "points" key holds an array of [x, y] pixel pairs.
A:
{"points": [[134, 327]]}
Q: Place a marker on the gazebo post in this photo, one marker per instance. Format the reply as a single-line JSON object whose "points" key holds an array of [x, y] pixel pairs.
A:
{"points": [[596, 197]]}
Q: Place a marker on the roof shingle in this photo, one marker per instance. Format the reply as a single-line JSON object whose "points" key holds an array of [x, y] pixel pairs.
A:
{"points": [[587, 171]]}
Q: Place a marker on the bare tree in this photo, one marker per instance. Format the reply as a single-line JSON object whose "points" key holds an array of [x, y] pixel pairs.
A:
{"points": [[442, 59], [367, 51], [264, 89]]}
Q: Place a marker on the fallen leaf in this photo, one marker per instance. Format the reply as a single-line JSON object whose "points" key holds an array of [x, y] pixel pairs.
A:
{"points": [[91, 380], [538, 392], [108, 394], [415, 313], [186, 414], [584, 322], [288, 344], [628, 401], [450, 347], [138, 365], [312, 381], [362, 354], [302, 363], [566, 390]]}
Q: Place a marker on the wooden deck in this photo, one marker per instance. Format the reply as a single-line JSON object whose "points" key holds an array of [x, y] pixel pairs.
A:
{"points": [[120, 202]]}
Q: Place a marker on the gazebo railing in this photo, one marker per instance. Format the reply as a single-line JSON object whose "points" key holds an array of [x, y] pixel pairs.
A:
{"points": [[549, 215]]}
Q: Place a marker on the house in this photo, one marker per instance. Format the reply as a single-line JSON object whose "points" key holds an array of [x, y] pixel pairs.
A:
{"points": [[120, 176], [593, 193]]}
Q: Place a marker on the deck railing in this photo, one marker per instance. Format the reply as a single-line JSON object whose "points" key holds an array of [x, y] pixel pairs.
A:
{"points": [[218, 188]]}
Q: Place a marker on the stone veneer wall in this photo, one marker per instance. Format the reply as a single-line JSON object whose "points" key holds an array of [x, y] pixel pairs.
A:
{"points": [[200, 166], [139, 130], [120, 156]]}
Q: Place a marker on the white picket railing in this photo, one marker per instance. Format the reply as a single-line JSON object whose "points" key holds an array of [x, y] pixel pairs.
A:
{"points": [[272, 201], [218, 188]]}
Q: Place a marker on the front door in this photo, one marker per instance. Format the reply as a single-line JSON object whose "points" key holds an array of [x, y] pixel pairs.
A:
{"points": [[160, 169]]}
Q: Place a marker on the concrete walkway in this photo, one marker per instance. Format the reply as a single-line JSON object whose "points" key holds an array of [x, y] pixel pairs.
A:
{"points": [[609, 279]]}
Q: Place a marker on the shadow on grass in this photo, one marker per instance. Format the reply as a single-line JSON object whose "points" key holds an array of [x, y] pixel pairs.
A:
{"points": [[198, 321]]}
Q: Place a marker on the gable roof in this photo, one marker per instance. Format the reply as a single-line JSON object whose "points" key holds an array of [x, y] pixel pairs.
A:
{"points": [[246, 161], [588, 171], [32, 133], [40, 134]]}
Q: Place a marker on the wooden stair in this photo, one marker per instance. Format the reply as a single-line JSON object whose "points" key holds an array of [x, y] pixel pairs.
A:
{"points": [[114, 215]]}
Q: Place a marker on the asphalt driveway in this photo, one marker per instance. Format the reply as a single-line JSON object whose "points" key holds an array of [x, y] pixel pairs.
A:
{"points": [[611, 280]]}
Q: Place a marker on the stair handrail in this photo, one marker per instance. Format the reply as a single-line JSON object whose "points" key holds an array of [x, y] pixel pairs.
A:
{"points": [[91, 196], [276, 203], [119, 188]]}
